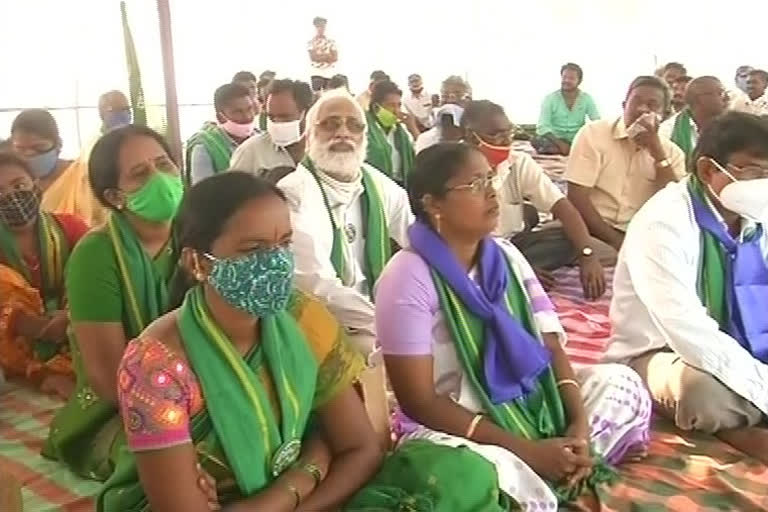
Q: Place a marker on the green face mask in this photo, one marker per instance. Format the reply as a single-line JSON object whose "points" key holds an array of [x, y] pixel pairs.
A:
{"points": [[158, 199], [386, 118]]}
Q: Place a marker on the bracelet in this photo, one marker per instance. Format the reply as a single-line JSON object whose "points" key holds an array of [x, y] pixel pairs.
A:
{"points": [[296, 495], [473, 426], [314, 472], [566, 382]]}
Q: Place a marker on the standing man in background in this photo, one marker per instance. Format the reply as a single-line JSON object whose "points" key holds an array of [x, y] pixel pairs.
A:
{"points": [[323, 56], [419, 103], [563, 113]]}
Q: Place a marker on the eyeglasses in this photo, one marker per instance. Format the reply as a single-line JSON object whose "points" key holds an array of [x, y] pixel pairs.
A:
{"points": [[479, 185], [334, 123]]}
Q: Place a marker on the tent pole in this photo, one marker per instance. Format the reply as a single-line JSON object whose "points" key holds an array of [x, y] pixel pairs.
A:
{"points": [[173, 133]]}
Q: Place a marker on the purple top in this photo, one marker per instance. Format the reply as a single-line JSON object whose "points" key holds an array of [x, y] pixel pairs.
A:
{"points": [[406, 292]]}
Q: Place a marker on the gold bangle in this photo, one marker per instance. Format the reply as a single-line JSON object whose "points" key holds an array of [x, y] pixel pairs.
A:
{"points": [[314, 472], [296, 494], [566, 382], [473, 426]]}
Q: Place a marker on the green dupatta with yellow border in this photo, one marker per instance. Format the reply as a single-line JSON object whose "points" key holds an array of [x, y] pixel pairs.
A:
{"points": [[335, 366], [86, 433]]}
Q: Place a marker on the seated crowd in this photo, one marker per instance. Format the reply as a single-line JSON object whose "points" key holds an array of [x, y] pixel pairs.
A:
{"points": [[224, 330]]}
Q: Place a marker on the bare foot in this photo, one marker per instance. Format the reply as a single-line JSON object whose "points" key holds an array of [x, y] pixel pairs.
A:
{"points": [[58, 385], [753, 441]]}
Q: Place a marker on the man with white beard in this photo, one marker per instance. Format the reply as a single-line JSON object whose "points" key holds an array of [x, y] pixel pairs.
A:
{"points": [[344, 213]]}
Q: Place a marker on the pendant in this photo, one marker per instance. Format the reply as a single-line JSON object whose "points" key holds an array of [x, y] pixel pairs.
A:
{"points": [[351, 232], [285, 456]]}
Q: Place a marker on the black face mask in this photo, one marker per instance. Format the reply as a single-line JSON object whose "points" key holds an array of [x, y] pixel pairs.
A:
{"points": [[19, 208]]}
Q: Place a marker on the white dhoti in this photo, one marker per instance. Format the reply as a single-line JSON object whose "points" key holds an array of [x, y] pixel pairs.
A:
{"points": [[618, 408]]}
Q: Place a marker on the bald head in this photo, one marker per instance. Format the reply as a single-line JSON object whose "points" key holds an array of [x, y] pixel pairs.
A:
{"points": [[706, 97], [114, 109]]}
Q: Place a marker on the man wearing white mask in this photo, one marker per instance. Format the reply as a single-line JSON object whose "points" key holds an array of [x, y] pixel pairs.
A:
{"points": [[344, 215], [210, 149], [283, 144], [691, 289]]}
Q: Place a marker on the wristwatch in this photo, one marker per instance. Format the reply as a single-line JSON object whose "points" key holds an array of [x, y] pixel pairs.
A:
{"points": [[587, 252], [664, 163]]}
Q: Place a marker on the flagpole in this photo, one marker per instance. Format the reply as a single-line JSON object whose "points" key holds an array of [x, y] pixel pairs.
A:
{"points": [[173, 132]]}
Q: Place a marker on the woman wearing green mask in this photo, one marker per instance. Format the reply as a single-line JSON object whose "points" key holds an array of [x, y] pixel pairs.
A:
{"points": [[390, 144], [231, 377], [116, 285]]}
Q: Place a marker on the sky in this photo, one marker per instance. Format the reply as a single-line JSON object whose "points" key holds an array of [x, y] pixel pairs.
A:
{"points": [[65, 53]]}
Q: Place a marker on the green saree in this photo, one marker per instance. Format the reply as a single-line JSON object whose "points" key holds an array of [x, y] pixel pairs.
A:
{"points": [[303, 356], [110, 278]]}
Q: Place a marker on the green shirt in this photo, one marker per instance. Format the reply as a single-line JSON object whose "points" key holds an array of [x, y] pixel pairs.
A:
{"points": [[94, 288], [556, 118]]}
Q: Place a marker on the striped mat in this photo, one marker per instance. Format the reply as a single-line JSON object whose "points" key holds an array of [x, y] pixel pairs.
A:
{"points": [[46, 485], [683, 472]]}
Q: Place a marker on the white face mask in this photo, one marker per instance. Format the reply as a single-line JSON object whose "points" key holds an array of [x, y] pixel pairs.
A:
{"points": [[239, 130], [286, 133], [748, 198]]}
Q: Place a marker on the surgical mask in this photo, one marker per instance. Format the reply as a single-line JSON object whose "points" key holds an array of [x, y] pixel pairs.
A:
{"points": [[116, 119], [748, 198], [158, 199], [284, 134], [19, 208], [238, 130], [43, 164], [260, 283], [494, 154], [386, 118]]}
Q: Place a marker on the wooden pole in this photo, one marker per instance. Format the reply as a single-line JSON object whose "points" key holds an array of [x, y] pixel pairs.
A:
{"points": [[173, 133]]}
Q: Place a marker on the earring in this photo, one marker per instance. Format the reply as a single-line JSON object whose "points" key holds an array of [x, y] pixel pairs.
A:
{"points": [[437, 222]]}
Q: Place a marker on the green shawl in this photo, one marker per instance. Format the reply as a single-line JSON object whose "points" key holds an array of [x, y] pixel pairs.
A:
{"points": [[422, 476], [256, 445], [710, 282], [216, 142], [86, 433], [681, 133], [378, 249], [54, 252], [380, 152], [540, 414]]}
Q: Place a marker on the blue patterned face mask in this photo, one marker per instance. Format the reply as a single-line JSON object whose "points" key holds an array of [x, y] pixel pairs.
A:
{"points": [[259, 284]]}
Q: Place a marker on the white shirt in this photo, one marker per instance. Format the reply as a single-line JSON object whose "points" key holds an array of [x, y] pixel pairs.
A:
{"points": [[427, 139], [522, 179], [420, 107], [313, 242], [759, 107], [667, 127], [259, 154], [655, 304]]}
